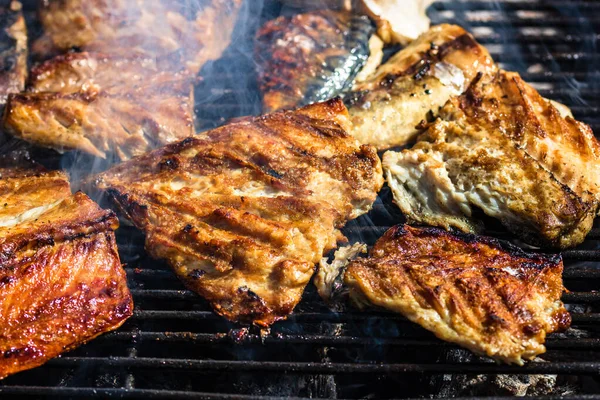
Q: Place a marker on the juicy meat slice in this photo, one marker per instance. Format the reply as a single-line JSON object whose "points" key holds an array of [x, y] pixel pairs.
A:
{"points": [[502, 150], [488, 296], [244, 212], [155, 28], [310, 57], [386, 108], [61, 280], [74, 105], [13, 50]]}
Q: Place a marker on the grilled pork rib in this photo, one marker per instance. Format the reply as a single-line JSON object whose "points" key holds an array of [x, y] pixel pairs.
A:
{"points": [[153, 28], [419, 79], [102, 105], [480, 293], [13, 50], [310, 57], [503, 149], [61, 281], [244, 212]]}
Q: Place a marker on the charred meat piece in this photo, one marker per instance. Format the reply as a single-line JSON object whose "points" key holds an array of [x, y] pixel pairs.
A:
{"points": [[416, 81], [155, 28], [502, 149], [478, 292], [61, 281], [310, 57], [13, 49], [102, 105], [244, 212]]}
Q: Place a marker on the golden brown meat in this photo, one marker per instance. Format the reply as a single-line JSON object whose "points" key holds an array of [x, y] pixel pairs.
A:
{"points": [[244, 212], [102, 105], [310, 57], [503, 149], [155, 28], [419, 79], [478, 292], [61, 281], [13, 50]]}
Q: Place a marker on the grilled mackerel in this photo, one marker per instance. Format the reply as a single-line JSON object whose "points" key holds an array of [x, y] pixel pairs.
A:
{"points": [[103, 105], [503, 149], [244, 212], [310, 57], [413, 84], [61, 281], [13, 50], [200, 31], [478, 292]]}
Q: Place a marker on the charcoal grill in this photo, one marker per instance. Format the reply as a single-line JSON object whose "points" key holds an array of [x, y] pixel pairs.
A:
{"points": [[174, 347]]}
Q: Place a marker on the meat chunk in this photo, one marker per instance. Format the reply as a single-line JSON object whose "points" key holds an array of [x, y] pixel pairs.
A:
{"points": [[155, 28], [418, 80], [503, 149], [13, 50], [61, 281], [244, 212], [102, 105], [310, 57], [478, 292]]}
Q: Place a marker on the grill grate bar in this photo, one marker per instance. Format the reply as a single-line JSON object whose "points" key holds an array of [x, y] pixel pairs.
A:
{"points": [[217, 366]]}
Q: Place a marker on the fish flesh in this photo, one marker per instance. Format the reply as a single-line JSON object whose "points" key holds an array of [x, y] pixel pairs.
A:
{"points": [[502, 149], [310, 57], [242, 213], [483, 294], [61, 280], [413, 84]]}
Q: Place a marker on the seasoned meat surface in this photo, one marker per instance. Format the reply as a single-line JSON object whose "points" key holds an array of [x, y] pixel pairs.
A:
{"points": [[13, 49], [244, 212], [478, 292], [102, 105], [502, 149], [61, 281], [418, 80], [310, 57], [154, 28]]}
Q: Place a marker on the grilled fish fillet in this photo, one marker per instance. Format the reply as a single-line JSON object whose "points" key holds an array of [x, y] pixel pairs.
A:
{"points": [[13, 50], [155, 28], [310, 57], [61, 281], [502, 149], [244, 212], [419, 79], [478, 292], [103, 105]]}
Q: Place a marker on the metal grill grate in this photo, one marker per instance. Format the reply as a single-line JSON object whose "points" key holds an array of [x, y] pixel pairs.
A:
{"points": [[175, 347]]}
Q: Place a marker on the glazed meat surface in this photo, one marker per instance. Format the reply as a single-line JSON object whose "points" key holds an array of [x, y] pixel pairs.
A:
{"points": [[102, 105], [310, 57], [244, 212], [478, 292], [61, 281], [13, 49], [386, 108], [502, 149], [154, 28]]}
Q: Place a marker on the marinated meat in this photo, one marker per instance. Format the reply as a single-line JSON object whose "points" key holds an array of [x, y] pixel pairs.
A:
{"points": [[418, 80], [310, 57], [102, 105], [61, 281], [502, 149], [483, 294], [244, 212], [13, 50], [155, 28]]}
